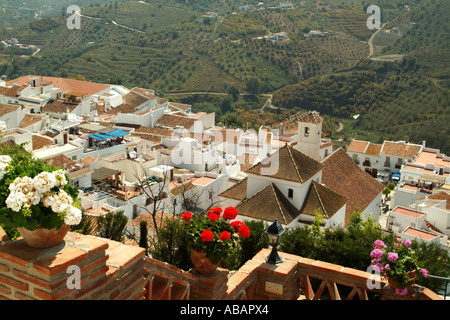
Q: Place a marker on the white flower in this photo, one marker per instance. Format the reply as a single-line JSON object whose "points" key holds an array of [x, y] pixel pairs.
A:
{"points": [[59, 202], [23, 194], [44, 181], [73, 216], [4, 163], [15, 201]]}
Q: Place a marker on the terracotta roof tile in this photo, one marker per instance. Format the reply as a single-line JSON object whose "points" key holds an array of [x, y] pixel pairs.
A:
{"points": [[7, 108], [61, 161], [180, 106], [13, 91], [59, 106], [400, 149], [134, 99], [374, 149], [358, 146], [342, 175], [268, 204], [169, 120], [237, 191], [292, 165], [66, 85], [310, 117], [40, 142], [323, 199], [441, 196]]}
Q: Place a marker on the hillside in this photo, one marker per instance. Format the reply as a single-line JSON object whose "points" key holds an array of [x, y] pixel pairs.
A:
{"points": [[312, 56], [403, 100], [128, 41]]}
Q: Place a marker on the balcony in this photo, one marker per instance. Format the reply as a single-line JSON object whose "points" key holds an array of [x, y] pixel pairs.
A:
{"points": [[115, 271], [366, 163]]}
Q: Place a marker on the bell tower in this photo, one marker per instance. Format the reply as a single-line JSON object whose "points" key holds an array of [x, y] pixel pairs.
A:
{"points": [[309, 135]]}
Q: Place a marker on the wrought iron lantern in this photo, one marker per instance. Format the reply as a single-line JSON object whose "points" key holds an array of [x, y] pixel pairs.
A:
{"points": [[274, 233]]}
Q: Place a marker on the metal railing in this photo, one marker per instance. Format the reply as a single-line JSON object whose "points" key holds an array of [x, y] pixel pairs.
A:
{"points": [[445, 289]]}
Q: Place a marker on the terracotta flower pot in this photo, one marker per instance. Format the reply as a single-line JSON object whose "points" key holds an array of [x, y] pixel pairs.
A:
{"points": [[201, 263], [44, 238], [394, 284]]}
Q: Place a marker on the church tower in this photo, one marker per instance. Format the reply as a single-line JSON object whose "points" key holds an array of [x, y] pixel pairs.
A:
{"points": [[309, 135]]}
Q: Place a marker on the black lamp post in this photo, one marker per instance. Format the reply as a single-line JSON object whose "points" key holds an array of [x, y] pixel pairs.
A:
{"points": [[274, 233]]}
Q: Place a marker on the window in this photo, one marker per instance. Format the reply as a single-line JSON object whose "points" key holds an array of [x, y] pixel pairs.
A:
{"points": [[290, 193], [307, 129]]}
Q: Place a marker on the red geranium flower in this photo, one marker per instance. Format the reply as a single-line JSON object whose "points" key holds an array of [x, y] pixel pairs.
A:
{"points": [[236, 224], [224, 236], [230, 213], [244, 231], [186, 216], [207, 235], [213, 216]]}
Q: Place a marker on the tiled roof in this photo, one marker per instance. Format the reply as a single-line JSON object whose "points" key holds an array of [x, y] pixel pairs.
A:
{"points": [[66, 85], [292, 165], [147, 216], [169, 120], [61, 161], [155, 131], [357, 146], [342, 175], [7, 108], [39, 141], [13, 91], [441, 196], [180, 106], [400, 149], [59, 106], [145, 92], [133, 99], [268, 204], [122, 108], [311, 117], [323, 199], [237, 191], [374, 149]]}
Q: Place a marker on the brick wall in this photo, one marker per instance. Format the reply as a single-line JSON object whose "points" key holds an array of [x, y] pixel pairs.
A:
{"points": [[107, 269], [111, 270]]}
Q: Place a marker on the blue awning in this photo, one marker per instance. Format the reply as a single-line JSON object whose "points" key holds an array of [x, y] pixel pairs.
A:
{"points": [[109, 135], [118, 133]]}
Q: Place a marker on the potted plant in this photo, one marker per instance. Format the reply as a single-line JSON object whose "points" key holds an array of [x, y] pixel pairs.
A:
{"points": [[212, 236], [38, 200], [398, 264]]}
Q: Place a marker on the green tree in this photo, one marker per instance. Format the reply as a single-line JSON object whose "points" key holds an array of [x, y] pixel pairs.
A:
{"points": [[112, 226], [171, 245], [253, 86], [143, 232], [233, 91]]}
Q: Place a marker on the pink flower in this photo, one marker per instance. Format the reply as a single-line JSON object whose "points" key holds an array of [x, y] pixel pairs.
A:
{"points": [[401, 292], [424, 272], [392, 256], [387, 267], [376, 253], [379, 244], [407, 242]]}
